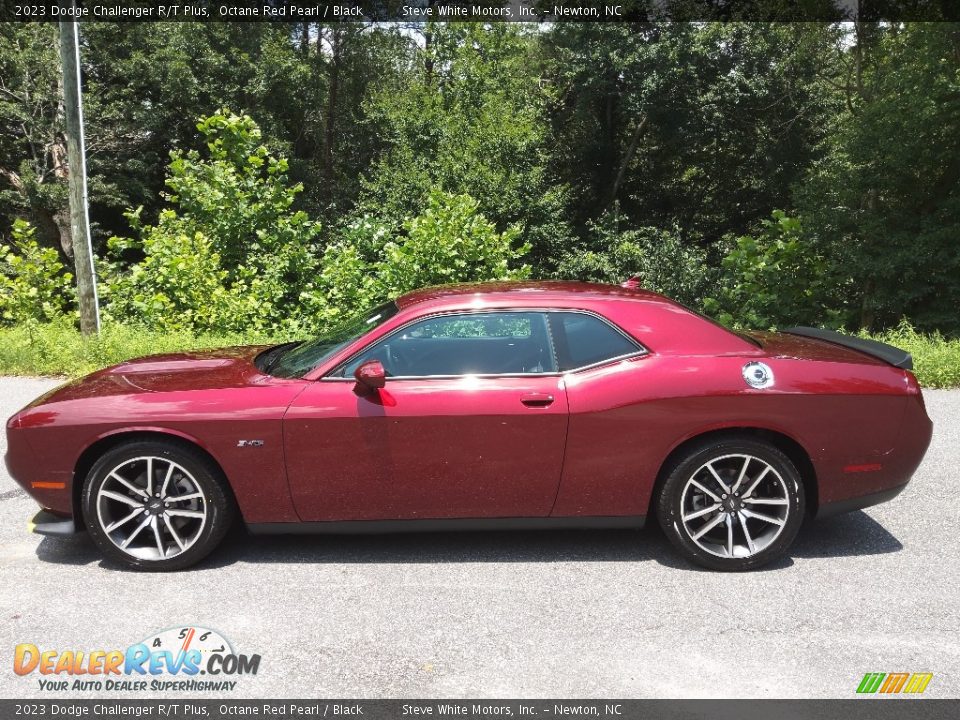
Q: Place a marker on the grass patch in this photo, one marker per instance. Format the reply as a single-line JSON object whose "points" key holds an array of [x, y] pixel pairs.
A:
{"points": [[936, 359], [59, 349]]}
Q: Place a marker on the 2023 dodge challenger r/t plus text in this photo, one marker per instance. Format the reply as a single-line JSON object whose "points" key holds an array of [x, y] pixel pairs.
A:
{"points": [[500, 405]]}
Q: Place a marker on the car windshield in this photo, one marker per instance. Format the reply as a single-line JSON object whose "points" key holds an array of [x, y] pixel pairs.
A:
{"points": [[301, 359]]}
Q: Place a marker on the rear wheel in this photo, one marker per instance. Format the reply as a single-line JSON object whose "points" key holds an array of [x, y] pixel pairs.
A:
{"points": [[732, 504], [155, 505]]}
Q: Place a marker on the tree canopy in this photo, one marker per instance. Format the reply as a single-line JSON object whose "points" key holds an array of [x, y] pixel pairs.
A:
{"points": [[769, 173]]}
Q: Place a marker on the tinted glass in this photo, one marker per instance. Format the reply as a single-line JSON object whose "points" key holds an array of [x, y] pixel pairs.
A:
{"points": [[585, 340], [506, 343], [301, 359]]}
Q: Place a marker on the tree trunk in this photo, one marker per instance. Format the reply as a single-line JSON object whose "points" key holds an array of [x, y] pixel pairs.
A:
{"points": [[628, 156], [427, 47], [867, 313], [61, 217], [330, 136], [61, 220], [305, 39]]}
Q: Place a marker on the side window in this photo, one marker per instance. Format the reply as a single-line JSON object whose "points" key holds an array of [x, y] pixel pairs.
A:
{"points": [[585, 340], [504, 343]]}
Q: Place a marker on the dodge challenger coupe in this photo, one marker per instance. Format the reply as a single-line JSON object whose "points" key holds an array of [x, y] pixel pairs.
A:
{"points": [[498, 405]]}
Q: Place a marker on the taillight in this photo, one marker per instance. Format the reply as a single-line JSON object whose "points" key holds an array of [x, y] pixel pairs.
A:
{"points": [[913, 387]]}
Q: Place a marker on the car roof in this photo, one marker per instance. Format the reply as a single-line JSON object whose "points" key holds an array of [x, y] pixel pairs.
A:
{"points": [[552, 288]]}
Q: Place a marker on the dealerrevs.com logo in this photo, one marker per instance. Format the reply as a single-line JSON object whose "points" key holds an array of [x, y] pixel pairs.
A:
{"points": [[191, 659]]}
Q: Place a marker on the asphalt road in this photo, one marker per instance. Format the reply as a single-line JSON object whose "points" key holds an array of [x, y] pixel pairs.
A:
{"points": [[548, 614]]}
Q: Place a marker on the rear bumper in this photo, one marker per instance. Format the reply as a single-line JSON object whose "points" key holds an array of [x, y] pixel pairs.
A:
{"points": [[45, 523], [884, 476], [858, 503]]}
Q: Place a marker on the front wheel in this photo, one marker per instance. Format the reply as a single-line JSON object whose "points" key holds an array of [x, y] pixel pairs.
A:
{"points": [[732, 504], [156, 505]]}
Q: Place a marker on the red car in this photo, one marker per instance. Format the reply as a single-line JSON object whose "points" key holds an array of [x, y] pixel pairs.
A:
{"points": [[500, 405]]}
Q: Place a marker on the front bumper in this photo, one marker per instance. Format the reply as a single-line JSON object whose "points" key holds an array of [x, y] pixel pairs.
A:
{"points": [[46, 523], [41, 474]]}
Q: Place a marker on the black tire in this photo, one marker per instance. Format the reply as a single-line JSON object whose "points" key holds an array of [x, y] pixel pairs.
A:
{"points": [[723, 453], [217, 503]]}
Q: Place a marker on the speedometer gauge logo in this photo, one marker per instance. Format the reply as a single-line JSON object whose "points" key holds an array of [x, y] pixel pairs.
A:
{"points": [[184, 639]]}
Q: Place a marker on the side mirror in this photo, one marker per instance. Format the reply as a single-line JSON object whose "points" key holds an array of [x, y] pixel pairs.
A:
{"points": [[370, 375]]}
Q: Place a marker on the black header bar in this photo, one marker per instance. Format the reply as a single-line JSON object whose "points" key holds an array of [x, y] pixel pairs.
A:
{"points": [[327, 11]]}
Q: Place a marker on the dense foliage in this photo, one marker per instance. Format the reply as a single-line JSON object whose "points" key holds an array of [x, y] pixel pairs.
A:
{"points": [[449, 241], [231, 252], [776, 269], [274, 177], [34, 285]]}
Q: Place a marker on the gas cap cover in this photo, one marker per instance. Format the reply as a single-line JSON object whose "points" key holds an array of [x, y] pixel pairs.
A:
{"points": [[758, 375]]}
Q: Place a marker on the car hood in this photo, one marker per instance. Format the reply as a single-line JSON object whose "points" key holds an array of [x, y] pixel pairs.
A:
{"points": [[195, 370]]}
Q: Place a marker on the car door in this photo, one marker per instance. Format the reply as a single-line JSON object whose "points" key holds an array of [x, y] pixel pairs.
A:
{"points": [[609, 431], [471, 423]]}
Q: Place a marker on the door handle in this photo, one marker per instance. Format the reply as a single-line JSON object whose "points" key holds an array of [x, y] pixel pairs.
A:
{"points": [[537, 400]]}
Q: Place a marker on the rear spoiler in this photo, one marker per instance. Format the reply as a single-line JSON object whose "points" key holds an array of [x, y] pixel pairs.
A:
{"points": [[888, 353]]}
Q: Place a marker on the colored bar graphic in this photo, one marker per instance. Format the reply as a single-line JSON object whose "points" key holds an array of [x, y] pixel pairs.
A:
{"points": [[894, 682], [890, 684], [918, 682], [870, 682]]}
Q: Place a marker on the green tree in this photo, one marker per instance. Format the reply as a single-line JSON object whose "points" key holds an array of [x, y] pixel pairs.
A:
{"points": [[33, 151], [449, 241], [304, 84], [467, 117], [884, 202], [703, 127], [34, 285], [776, 276], [615, 250], [146, 83], [232, 225]]}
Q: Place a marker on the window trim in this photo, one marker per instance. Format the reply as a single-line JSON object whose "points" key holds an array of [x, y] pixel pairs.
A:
{"points": [[641, 351]]}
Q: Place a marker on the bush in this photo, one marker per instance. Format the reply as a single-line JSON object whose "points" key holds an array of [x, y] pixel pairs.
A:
{"points": [[936, 359], [450, 241], [777, 276], [59, 349], [180, 284], [231, 254], [661, 261], [34, 285]]}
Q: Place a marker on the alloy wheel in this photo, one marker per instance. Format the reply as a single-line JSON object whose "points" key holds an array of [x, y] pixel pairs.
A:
{"points": [[151, 508], [735, 506]]}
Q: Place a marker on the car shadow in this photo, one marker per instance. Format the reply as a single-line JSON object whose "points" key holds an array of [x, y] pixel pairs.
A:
{"points": [[854, 534], [848, 535]]}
